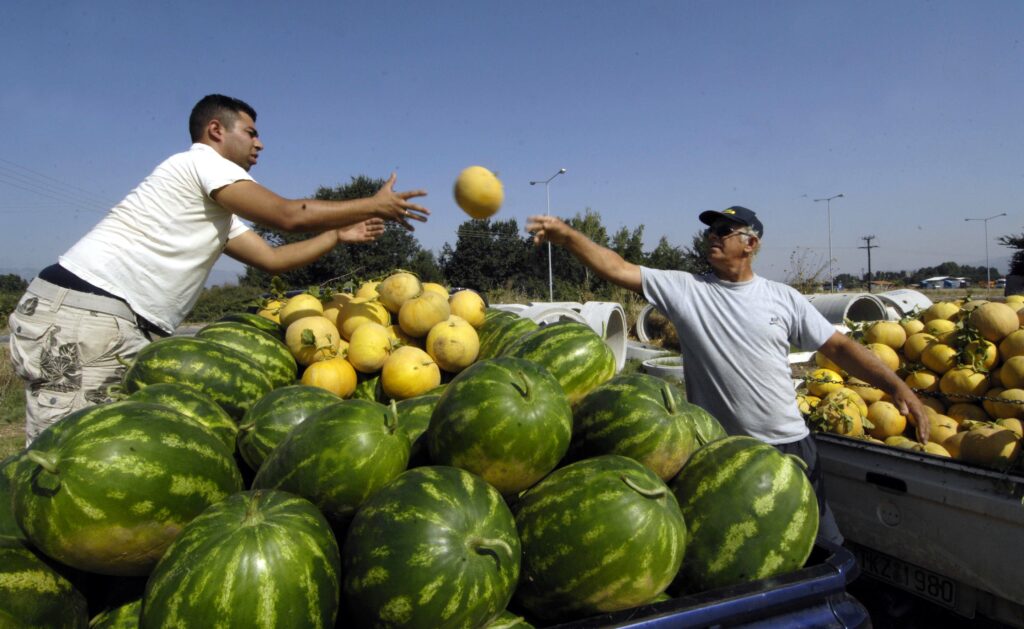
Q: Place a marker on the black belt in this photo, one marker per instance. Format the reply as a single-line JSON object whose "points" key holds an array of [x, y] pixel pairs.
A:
{"points": [[59, 276]]}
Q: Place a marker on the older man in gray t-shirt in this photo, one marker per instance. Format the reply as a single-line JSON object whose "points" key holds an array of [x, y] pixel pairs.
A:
{"points": [[735, 331]]}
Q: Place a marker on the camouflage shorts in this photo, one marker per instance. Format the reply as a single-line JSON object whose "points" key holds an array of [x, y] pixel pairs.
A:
{"points": [[67, 357]]}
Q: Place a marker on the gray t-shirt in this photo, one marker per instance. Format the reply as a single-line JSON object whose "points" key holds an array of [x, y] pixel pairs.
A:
{"points": [[735, 339]]}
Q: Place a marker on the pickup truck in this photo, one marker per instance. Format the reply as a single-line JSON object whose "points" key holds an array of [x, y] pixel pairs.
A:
{"points": [[944, 530]]}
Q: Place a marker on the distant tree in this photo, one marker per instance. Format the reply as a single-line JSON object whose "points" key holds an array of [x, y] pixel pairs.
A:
{"points": [[629, 244], [666, 256], [1017, 261], [11, 283], [396, 248], [489, 254], [805, 270]]}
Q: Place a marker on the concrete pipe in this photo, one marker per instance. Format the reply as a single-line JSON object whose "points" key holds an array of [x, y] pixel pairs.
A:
{"points": [[666, 367], [853, 306], [608, 319], [543, 314]]}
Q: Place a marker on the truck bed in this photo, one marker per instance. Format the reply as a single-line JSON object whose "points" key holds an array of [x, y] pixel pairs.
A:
{"points": [[947, 531]]}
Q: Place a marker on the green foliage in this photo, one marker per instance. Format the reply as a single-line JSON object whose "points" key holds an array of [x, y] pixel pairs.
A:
{"points": [[492, 254], [218, 301], [396, 248], [11, 283], [1015, 241]]}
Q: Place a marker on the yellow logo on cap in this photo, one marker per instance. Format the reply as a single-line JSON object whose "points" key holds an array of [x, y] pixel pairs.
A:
{"points": [[729, 211]]}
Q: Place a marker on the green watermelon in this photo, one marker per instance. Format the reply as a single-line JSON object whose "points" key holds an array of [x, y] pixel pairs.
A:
{"points": [[9, 528], [338, 457], [509, 620], [639, 416], [263, 348], [499, 330], [369, 388], [126, 616], [108, 487], [268, 421], [35, 595], [224, 374], [272, 328], [751, 512], [193, 403], [259, 559], [414, 417], [437, 547], [505, 419], [573, 353], [599, 535]]}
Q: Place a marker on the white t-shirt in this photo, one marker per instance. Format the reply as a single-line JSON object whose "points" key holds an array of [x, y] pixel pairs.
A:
{"points": [[735, 339], [155, 248]]}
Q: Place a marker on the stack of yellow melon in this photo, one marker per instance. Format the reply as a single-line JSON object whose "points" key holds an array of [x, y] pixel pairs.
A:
{"points": [[401, 329], [965, 359]]}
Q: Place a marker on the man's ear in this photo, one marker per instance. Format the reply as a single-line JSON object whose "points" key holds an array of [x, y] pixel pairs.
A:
{"points": [[215, 130]]}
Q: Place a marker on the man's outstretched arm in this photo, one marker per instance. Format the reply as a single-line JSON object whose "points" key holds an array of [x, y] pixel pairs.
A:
{"points": [[603, 261]]}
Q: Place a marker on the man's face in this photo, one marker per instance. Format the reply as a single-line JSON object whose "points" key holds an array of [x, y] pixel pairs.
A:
{"points": [[724, 241], [241, 143]]}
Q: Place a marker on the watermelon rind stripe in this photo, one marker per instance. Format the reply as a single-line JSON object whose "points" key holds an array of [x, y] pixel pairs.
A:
{"points": [[261, 559], [598, 535], [751, 513], [410, 558]]}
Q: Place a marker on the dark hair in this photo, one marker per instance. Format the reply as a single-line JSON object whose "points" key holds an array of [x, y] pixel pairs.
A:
{"points": [[223, 108]]}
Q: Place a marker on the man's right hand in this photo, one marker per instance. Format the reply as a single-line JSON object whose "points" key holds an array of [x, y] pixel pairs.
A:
{"points": [[395, 206], [548, 229]]}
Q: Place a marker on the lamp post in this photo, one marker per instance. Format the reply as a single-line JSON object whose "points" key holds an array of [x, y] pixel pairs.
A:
{"points": [[828, 205], [547, 193], [988, 273]]}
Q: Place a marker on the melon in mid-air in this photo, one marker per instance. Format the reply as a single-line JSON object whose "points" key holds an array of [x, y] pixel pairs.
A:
{"points": [[479, 192]]}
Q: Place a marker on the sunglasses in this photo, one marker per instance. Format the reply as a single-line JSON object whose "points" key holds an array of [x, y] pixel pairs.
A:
{"points": [[721, 231]]}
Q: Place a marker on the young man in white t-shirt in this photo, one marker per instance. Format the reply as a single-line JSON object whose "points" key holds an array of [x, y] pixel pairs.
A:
{"points": [[139, 271], [735, 330]]}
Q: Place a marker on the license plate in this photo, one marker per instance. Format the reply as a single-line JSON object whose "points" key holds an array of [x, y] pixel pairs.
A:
{"points": [[914, 579]]}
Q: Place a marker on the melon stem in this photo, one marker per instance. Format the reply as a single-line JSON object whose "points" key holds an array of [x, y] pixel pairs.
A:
{"points": [[657, 492], [391, 418], [488, 546], [668, 398], [523, 386], [45, 461]]}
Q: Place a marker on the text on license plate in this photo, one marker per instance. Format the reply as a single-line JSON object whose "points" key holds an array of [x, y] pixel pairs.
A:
{"points": [[914, 579]]}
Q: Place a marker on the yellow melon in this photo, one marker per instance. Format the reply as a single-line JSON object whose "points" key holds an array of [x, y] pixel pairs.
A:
{"points": [[478, 192]]}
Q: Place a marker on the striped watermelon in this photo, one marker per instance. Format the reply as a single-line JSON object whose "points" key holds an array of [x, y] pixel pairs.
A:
{"points": [[750, 510], [259, 559], [271, 418], [267, 351], [272, 328], [227, 376], [34, 595], [437, 547], [414, 417], [499, 330], [369, 388], [599, 535], [505, 419], [509, 620], [639, 416], [126, 616], [194, 404], [572, 352], [338, 457], [108, 488], [9, 528]]}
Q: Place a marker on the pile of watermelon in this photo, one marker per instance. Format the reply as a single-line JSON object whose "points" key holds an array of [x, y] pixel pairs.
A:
{"points": [[531, 487]]}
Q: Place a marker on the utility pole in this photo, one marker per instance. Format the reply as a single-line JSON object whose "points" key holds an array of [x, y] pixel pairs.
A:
{"points": [[869, 247]]}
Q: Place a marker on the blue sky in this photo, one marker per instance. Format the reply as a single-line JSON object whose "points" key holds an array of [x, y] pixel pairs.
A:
{"points": [[658, 110]]}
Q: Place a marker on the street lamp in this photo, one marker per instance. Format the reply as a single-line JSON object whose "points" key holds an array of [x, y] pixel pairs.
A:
{"points": [[828, 205], [988, 273], [547, 193]]}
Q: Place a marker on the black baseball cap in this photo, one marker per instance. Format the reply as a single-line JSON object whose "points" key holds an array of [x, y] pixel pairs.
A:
{"points": [[736, 214]]}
